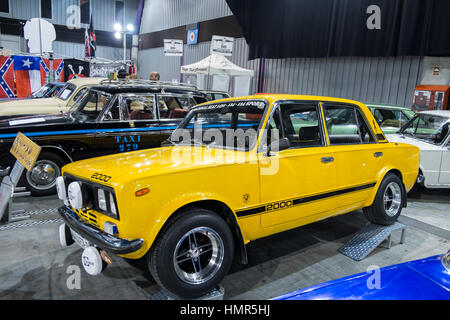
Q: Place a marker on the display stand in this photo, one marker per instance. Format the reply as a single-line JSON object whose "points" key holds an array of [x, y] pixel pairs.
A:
{"points": [[369, 238], [26, 152], [9, 191], [215, 294]]}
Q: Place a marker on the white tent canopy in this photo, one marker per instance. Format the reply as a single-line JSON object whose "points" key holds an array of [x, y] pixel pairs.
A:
{"points": [[216, 64]]}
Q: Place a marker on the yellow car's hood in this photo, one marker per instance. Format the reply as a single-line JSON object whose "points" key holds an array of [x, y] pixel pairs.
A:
{"points": [[124, 167], [32, 106]]}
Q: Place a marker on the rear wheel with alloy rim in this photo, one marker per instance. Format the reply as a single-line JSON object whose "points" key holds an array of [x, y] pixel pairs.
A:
{"points": [[388, 203], [192, 254], [41, 180]]}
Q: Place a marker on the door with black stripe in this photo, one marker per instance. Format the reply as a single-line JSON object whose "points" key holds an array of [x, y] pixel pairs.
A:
{"points": [[357, 154], [296, 182]]}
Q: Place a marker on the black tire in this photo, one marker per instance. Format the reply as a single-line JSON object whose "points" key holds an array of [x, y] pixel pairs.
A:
{"points": [[169, 243], [378, 213], [41, 190]]}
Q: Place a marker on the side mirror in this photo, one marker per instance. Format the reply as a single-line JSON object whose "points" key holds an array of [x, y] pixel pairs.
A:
{"points": [[278, 145]]}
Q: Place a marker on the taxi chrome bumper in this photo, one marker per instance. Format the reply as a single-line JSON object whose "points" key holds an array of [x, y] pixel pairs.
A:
{"points": [[98, 237]]}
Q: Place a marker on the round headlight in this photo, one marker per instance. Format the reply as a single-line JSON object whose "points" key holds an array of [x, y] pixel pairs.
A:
{"points": [[61, 188], [75, 195]]}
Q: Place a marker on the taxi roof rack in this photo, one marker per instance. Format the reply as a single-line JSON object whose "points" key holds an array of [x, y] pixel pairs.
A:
{"points": [[142, 82]]}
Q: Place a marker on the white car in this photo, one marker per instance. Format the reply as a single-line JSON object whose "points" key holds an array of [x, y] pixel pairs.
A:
{"points": [[429, 130]]}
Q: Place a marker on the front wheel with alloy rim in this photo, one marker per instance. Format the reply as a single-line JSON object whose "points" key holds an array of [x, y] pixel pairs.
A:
{"points": [[41, 179], [388, 203], [192, 254]]}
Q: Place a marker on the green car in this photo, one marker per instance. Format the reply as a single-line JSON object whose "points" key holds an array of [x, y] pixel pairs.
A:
{"points": [[390, 118]]}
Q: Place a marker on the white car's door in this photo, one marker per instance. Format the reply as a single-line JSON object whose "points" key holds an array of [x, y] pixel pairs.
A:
{"points": [[444, 176]]}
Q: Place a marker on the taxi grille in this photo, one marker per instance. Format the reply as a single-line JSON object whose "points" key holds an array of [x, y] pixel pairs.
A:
{"points": [[87, 216]]}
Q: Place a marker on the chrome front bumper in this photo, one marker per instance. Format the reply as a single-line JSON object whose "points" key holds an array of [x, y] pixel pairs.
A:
{"points": [[98, 237]]}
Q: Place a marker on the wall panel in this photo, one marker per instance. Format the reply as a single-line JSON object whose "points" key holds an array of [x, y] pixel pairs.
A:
{"points": [[377, 80]]}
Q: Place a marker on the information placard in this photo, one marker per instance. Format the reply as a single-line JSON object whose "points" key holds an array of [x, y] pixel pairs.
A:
{"points": [[222, 45], [25, 151], [173, 47]]}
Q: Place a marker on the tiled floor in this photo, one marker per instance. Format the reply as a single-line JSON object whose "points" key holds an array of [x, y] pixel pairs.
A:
{"points": [[34, 266]]}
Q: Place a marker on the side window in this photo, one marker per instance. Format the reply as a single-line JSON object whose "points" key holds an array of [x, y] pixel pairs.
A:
{"points": [[301, 125], [138, 108], [113, 114], [173, 107], [346, 125], [79, 94]]}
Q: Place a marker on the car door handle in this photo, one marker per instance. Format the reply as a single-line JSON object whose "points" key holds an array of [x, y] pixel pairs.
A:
{"points": [[378, 154], [327, 159]]}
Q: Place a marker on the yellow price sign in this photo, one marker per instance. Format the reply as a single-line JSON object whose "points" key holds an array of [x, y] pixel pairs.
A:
{"points": [[25, 151]]}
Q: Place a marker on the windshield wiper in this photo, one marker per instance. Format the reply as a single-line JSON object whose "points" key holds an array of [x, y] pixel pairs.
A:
{"points": [[168, 142]]}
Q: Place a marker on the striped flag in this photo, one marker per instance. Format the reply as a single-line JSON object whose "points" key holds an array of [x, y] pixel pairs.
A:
{"points": [[27, 71], [89, 41]]}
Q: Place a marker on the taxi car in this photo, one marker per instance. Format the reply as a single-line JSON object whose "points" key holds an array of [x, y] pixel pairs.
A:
{"points": [[234, 171], [59, 103], [113, 117], [430, 132]]}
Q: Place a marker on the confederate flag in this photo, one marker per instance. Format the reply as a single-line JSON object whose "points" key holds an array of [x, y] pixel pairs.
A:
{"points": [[7, 77], [89, 41]]}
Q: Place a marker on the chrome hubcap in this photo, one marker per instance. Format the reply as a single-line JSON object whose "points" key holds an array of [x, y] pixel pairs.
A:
{"points": [[392, 199], [198, 255], [43, 175]]}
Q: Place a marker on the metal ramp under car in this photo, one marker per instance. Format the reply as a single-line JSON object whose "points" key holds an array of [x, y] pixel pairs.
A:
{"points": [[369, 238]]}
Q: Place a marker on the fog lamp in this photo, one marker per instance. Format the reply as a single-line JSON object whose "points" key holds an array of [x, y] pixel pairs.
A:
{"points": [[61, 188], [75, 195]]}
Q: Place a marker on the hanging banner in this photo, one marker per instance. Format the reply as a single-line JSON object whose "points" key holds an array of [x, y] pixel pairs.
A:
{"points": [[222, 45], [103, 69], [173, 47], [58, 69], [192, 33], [74, 68]]}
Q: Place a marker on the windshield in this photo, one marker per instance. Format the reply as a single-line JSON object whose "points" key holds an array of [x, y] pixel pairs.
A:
{"points": [[430, 128], [232, 125], [66, 91], [89, 106], [43, 91]]}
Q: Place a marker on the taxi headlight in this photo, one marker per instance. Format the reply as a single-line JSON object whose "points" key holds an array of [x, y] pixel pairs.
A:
{"points": [[75, 195]]}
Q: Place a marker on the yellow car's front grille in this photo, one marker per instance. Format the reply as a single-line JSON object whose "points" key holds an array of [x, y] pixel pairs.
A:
{"points": [[88, 216]]}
